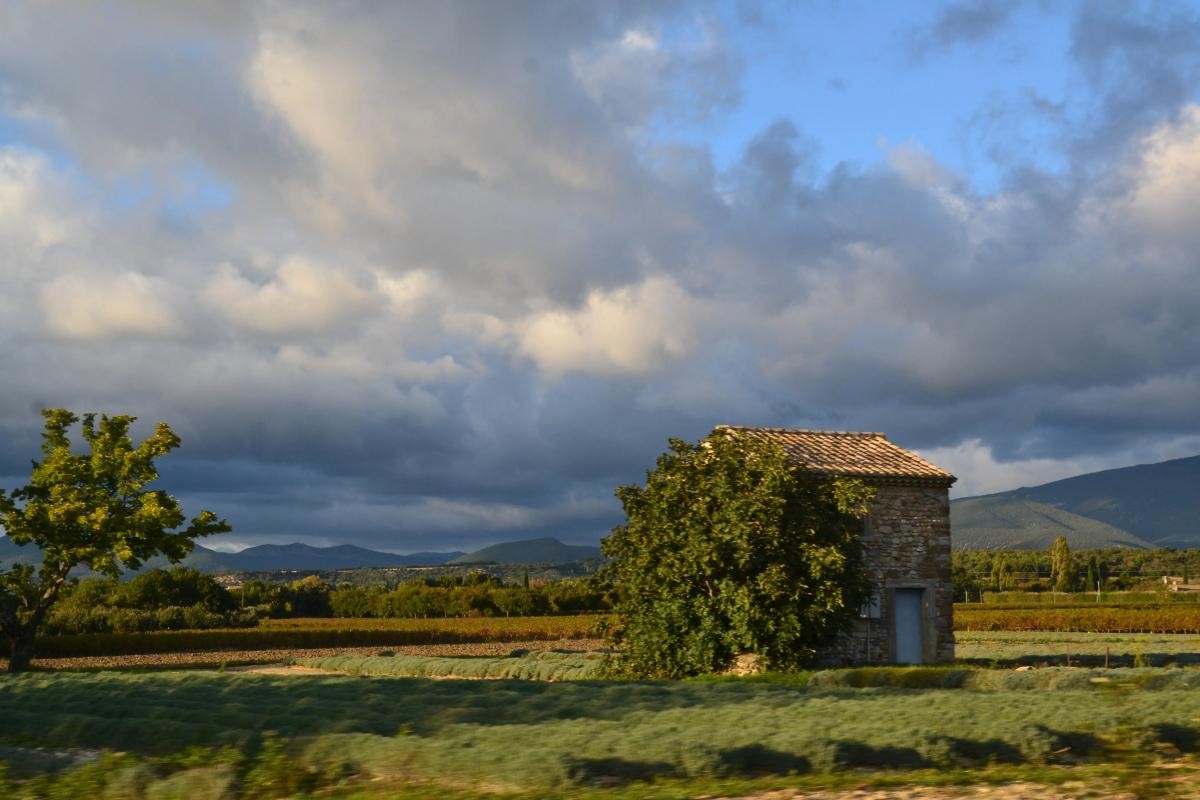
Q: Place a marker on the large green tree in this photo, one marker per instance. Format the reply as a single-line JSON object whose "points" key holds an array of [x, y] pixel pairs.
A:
{"points": [[91, 509], [730, 548]]}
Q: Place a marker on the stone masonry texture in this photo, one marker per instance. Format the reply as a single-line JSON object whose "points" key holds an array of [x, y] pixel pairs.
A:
{"points": [[906, 544]]}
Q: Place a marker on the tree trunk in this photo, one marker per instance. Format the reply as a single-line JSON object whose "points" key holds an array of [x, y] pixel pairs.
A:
{"points": [[21, 649]]}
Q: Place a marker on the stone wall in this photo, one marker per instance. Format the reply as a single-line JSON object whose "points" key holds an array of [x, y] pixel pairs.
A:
{"points": [[906, 544]]}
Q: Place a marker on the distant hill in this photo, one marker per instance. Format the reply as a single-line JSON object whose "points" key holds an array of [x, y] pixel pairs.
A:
{"points": [[297, 556], [267, 558], [988, 523], [529, 551], [1156, 503], [272, 557]]}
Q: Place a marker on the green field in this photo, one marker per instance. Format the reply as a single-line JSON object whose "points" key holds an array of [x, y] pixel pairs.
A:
{"points": [[537, 737], [538, 666], [1009, 648], [546, 724]]}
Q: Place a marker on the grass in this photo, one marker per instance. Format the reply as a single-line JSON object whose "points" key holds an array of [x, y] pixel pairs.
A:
{"points": [[552, 666], [526, 736], [541, 666], [116, 778], [231, 735], [1083, 649]]}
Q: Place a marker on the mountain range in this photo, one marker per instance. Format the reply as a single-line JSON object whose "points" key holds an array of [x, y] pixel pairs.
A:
{"points": [[297, 556], [1149, 505], [529, 551]]}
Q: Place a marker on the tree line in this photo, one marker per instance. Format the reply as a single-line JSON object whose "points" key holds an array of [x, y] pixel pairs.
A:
{"points": [[1060, 569], [184, 598]]}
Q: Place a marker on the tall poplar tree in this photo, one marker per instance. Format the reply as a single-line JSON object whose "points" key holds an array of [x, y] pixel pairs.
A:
{"points": [[1062, 571]]}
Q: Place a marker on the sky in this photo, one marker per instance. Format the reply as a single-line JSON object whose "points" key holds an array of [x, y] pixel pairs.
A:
{"points": [[430, 276]]}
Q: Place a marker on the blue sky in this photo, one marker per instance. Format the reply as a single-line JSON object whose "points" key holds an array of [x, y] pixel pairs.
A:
{"points": [[859, 77], [431, 276]]}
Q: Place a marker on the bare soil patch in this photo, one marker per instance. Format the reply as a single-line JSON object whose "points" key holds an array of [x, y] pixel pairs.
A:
{"points": [[283, 669]]}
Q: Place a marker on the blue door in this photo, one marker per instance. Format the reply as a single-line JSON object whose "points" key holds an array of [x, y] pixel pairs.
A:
{"points": [[910, 627]]}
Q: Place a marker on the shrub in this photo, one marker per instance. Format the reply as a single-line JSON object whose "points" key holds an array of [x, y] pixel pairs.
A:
{"points": [[729, 548]]}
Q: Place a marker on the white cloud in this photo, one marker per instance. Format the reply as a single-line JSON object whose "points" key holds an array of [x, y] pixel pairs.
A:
{"points": [[979, 472], [437, 211], [355, 362], [1166, 178], [98, 305], [382, 119], [33, 209], [632, 330], [302, 297], [409, 293], [480, 327], [634, 76]]}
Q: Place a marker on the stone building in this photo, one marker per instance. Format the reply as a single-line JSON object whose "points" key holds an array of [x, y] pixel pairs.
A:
{"points": [[906, 544]]}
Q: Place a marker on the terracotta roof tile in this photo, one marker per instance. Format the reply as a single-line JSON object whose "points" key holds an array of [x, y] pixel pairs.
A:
{"points": [[861, 455]]}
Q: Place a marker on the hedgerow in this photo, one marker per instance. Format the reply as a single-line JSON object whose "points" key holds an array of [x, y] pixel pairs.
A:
{"points": [[299, 634]]}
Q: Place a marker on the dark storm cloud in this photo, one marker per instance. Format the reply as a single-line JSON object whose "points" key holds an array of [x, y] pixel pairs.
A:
{"points": [[1141, 62], [462, 287], [966, 22]]}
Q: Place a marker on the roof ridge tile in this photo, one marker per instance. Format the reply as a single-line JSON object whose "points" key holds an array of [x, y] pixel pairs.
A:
{"points": [[848, 434], [851, 453]]}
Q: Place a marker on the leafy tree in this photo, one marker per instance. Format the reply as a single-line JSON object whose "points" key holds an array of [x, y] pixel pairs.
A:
{"points": [[515, 602], [1094, 576], [1000, 570], [350, 601], [154, 600], [179, 586], [92, 510], [729, 548], [965, 584], [306, 597], [1062, 571]]}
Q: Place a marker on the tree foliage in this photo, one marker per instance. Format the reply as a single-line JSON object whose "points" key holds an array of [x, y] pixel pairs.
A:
{"points": [[1117, 568], [1062, 568], [729, 548], [88, 509], [158, 599]]}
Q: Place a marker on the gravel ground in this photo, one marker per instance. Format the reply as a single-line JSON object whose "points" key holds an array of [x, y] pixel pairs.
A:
{"points": [[213, 658]]}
